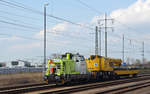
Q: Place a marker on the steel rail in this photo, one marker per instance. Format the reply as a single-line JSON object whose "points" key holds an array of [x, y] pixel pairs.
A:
{"points": [[126, 89], [97, 85], [21, 86], [42, 86]]}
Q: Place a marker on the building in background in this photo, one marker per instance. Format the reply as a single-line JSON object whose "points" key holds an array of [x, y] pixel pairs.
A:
{"points": [[20, 63], [2, 64]]}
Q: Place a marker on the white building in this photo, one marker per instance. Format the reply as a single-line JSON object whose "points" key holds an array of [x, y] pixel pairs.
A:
{"points": [[19, 63]]}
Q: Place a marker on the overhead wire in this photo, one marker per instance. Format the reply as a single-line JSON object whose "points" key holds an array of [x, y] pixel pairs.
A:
{"points": [[41, 13], [97, 11], [89, 7], [58, 18], [48, 15], [86, 5], [29, 27], [19, 25], [129, 28], [30, 38], [18, 15], [68, 35], [18, 22], [24, 37], [60, 34], [17, 29]]}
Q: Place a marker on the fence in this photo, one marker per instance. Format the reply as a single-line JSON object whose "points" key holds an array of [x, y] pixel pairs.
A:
{"points": [[19, 70]]}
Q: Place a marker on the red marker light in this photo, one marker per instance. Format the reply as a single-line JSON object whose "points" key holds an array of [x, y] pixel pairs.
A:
{"points": [[51, 68]]}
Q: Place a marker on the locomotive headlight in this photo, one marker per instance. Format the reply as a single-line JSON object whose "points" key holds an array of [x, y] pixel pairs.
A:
{"points": [[57, 77], [45, 77]]}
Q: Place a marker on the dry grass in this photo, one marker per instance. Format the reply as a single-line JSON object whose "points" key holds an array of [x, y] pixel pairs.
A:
{"points": [[20, 79], [145, 71]]}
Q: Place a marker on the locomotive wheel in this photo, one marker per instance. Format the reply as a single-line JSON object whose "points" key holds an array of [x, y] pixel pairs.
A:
{"points": [[135, 75], [58, 83], [62, 81], [47, 81]]}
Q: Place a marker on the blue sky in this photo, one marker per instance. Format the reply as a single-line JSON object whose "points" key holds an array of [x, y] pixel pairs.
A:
{"points": [[71, 38]]}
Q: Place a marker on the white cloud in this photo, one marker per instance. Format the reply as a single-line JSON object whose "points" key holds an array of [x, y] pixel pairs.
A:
{"points": [[54, 31], [67, 37], [134, 20], [64, 32], [60, 27], [26, 46], [64, 29], [135, 14], [12, 38], [96, 19]]}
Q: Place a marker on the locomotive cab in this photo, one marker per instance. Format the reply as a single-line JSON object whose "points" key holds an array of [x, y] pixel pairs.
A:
{"points": [[54, 71]]}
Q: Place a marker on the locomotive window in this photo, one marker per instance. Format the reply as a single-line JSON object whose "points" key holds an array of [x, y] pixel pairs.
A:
{"points": [[64, 63], [93, 57], [99, 56], [77, 60], [63, 56], [58, 65], [82, 58], [54, 70], [111, 64], [71, 56]]}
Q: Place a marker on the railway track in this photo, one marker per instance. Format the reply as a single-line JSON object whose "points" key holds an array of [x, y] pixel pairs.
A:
{"points": [[76, 89], [22, 86], [23, 89], [126, 89], [42, 86]]}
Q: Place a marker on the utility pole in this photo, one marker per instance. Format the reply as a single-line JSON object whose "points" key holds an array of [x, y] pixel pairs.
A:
{"points": [[100, 47], [106, 27], [100, 37], [96, 40], [44, 65], [105, 35], [143, 52], [123, 48]]}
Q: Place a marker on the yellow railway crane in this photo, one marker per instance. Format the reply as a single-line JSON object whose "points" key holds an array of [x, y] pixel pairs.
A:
{"points": [[107, 68]]}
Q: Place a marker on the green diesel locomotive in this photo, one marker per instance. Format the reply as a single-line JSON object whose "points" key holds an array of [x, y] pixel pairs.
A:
{"points": [[70, 67]]}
